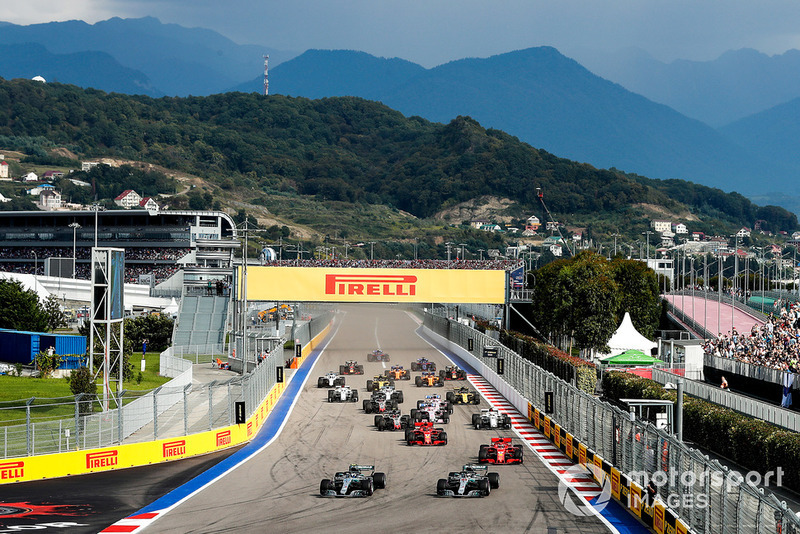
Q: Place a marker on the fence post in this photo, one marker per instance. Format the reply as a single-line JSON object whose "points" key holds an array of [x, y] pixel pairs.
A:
{"points": [[155, 412], [211, 405], [28, 428], [119, 416], [186, 409]]}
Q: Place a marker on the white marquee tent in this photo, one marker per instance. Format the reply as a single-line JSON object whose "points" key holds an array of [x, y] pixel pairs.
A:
{"points": [[627, 337]]}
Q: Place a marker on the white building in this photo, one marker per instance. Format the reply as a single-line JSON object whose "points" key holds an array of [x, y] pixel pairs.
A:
{"points": [[4, 170], [30, 177], [743, 232], [680, 228], [49, 200], [87, 165], [128, 199], [661, 226]]}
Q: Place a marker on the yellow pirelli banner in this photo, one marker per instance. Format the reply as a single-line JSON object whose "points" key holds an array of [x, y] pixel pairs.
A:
{"points": [[323, 284]]}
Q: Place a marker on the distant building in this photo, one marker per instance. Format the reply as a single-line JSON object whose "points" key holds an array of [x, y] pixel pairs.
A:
{"points": [[52, 175], [679, 228], [4, 199], [556, 250], [661, 226], [149, 204], [552, 225], [477, 223], [4, 170], [743, 232], [128, 199], [88, 165], [36, 191], [533, 223], [30, 177], [49, 200], [527, 232], [698, 236]]}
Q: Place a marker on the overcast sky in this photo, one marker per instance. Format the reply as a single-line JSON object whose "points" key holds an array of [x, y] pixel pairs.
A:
{"points": [[431, 32]]}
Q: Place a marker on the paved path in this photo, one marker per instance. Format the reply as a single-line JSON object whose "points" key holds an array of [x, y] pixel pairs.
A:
{"points": [[715, 317]]}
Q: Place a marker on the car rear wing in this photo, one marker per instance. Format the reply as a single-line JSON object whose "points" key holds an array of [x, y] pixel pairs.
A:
{"points": [[473, 467], [362, 467], [501, 440]]}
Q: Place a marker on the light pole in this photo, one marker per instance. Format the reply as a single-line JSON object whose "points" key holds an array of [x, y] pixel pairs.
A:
{"points": [[647, 233], [481, 253], [463, 250], [346, 246], [74, 227], [416, 244], [35, 265], [96, 208], [371, 250], [448, 244]]}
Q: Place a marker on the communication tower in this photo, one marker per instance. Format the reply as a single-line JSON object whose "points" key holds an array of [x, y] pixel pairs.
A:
{"points": [[266, 75]]}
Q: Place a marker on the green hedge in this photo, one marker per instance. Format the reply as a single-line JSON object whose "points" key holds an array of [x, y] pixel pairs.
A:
{"points": [[551, 359], [752, 443]]}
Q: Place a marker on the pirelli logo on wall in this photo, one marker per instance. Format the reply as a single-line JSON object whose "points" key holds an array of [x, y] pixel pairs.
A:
{"points": [[97, 460], [12, 470], [370, 285], [223, 438], [322, 284], [171, 449]]}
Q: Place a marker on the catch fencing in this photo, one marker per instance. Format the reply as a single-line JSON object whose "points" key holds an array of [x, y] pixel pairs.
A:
{"points": [[636, 448]]}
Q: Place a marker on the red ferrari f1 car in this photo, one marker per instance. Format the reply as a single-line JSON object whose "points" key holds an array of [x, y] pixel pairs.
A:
{"points": [[501, 451], [424, 433]]}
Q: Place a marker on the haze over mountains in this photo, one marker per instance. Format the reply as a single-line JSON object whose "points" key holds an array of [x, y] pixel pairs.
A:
{"points": [[715, 123]]}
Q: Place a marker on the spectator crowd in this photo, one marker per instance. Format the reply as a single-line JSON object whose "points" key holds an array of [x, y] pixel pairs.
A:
{"points": [[400, 264]]}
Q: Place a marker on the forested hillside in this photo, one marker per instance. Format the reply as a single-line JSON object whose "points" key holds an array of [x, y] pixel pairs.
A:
{"points": [[345, 149]]}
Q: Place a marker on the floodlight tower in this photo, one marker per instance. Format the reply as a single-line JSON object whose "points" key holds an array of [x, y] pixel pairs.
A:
{"points": [[266, 75]]}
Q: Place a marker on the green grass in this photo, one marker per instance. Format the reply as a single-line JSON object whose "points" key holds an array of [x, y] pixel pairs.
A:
{"points": [[16, 390]]}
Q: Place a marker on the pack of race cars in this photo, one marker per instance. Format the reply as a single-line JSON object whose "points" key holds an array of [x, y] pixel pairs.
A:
{"points": [[420, 426]]}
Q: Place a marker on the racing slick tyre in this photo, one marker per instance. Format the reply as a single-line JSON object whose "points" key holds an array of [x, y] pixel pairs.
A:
{"points": [[409, 434], [478, 425], [441, 486], [367, 486], [320, 382], [450, 409], [339, 381], [386, 373], [324, 486], [439, 383], [414, 366], [341, 369], [360, 370], [443, 437], [414, 414], [379, 480], [379, 422], [518, 454], [410, 442], [399, 397], [483, 486], [366, 405], [476, 418], [354, 396], [476, 400], [407, 376], [483, 454], [419, 404], [494, 480], [391, 382], [507, 423], [446, 419], [370, 358], [330, 395], [450, 397], [369, 385]]}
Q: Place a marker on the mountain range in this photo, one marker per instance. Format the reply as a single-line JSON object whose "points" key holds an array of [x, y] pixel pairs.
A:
{"points": [[724, 123]]}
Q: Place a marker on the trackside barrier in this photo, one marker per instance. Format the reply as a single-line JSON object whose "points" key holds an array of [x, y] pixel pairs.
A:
{"points": [[621, 452], [258, 389]]}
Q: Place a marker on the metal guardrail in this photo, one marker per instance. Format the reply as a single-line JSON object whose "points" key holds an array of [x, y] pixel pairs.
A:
{"points": [[735, 401], [731, 366], [637, 447]]}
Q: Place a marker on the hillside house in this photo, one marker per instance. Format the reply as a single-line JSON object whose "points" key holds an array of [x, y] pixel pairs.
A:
{"points": [[556, 250], [743, 232], [679, 228], [149, 204], [36, 191], [477, 223], [128, 199], [553, 225], [49, 200], [698, 236], [533, 223], [89, 165], [30, 177], [661, 226], [4, 170], [4, 199]]}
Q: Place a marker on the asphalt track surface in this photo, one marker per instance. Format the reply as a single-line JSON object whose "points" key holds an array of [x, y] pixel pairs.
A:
{"points": [[88, 503], [277, 490]]}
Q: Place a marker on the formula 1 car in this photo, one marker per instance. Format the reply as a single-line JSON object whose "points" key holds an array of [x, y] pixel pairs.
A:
{"points": [[398, 373], [377, 356], [424, 433], [378, 382], [393, 421], [452, 372], [422, 364], [501, 451], [463, 395], [391, 393], [433, 410], [428, 379], [471, 481], [379, 403], [351, 367], [435, 400], [330, 380], [342, 394], [353, 482], [491, 418]]}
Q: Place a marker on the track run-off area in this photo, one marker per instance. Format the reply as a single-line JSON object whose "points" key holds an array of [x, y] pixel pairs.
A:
{"points": [[272, 484]]}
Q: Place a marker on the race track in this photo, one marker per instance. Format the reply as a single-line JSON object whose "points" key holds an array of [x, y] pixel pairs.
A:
{"points": [[278, 489]]}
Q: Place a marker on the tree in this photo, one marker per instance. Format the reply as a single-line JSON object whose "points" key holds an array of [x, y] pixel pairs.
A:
{"points": [[20, 308], [82, 381], [156, 328], [639, 294], [56, 318]]}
